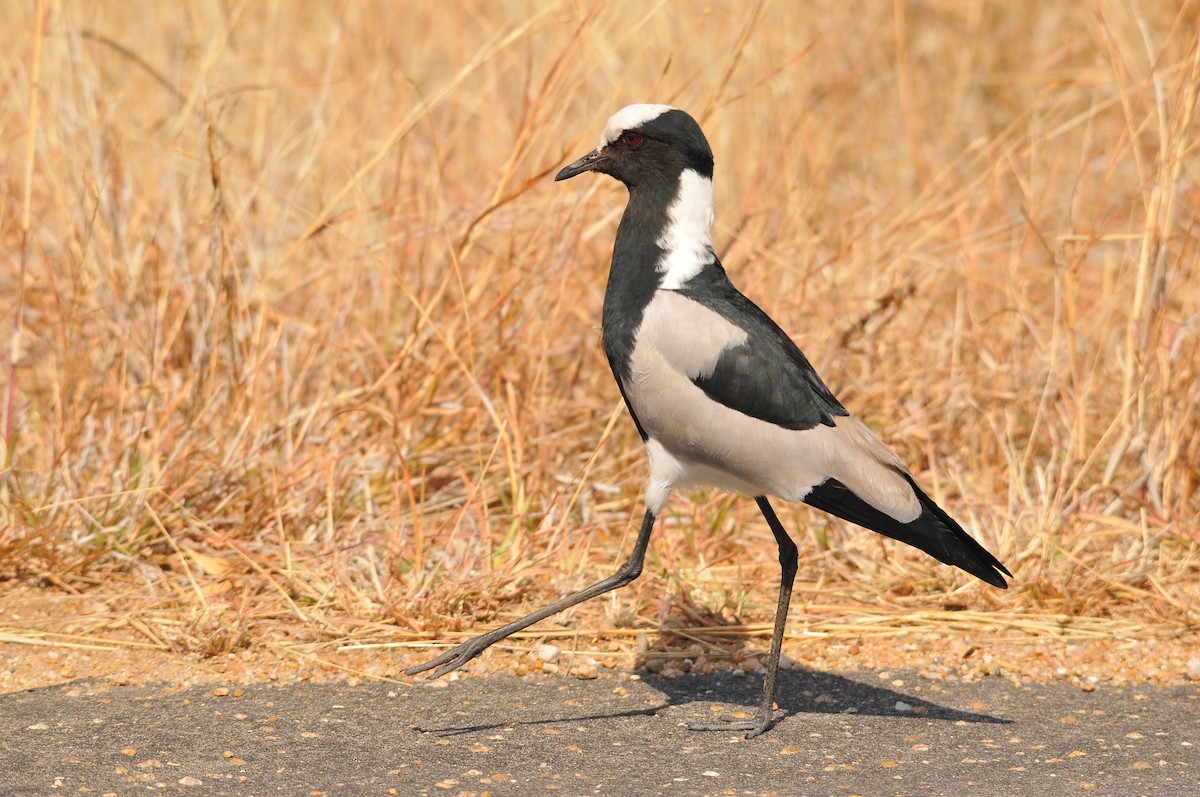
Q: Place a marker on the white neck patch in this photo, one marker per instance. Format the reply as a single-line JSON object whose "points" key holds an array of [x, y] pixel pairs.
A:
{"points": [[687, 239], [630, 117]]}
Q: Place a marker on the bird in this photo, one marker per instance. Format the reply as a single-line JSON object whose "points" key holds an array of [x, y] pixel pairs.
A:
{"points": [[720, 395]]}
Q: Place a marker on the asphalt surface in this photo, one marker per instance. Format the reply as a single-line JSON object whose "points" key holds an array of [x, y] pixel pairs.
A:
{"points": [[857, 733]]}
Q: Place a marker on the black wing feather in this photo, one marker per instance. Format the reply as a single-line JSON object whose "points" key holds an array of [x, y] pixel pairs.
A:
{"points": [[934, 532], [767, 377]]}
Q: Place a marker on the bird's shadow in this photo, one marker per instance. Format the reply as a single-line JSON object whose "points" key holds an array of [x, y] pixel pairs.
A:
{"points": [[798, 691], [459, 730], [801, 691]]}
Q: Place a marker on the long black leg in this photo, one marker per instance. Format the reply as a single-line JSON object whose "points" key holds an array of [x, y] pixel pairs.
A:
{"points": [[788, 559], [632, 568]]}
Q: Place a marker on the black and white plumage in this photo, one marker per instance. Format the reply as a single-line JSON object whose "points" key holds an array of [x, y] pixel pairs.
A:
{"points": [[720, 394]]}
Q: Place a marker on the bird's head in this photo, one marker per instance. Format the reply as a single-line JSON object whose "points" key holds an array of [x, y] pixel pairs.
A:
{"points": [[645, 143]]}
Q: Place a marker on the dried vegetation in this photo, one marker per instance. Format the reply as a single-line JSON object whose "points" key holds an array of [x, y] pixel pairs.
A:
{"points": [[305, 346]]}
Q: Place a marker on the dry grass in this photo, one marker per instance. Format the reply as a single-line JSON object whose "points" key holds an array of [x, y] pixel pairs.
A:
{"points": [[305, 340]]}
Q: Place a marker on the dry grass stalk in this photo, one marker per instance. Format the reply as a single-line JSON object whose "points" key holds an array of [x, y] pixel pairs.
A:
{"points": [[305, 340]]}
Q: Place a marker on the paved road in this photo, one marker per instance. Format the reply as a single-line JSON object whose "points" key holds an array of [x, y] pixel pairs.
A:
{"points": [[502, 735]]}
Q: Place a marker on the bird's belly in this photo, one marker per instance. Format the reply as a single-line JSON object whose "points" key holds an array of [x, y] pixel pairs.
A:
{"points": [[696, 441], [713, 444]]}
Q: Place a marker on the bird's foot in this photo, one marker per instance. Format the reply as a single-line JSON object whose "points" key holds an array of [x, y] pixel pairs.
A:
{"points": [[451, 660], [759, 722]]}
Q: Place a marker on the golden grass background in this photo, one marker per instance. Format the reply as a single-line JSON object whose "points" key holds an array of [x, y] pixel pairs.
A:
{"points": [[304, 339]]}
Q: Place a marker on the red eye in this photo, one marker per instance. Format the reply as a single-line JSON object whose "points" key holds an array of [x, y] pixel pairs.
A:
{"points": [[632, 140]]}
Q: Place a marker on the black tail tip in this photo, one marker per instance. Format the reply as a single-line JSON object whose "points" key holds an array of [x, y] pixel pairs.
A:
{"points": [[992, 575]]}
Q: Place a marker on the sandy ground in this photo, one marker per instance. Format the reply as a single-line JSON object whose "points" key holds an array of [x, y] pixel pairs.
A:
{"points": [[44, 644]]}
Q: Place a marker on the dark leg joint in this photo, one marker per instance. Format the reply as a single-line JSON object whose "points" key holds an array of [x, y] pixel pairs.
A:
{"points": [[629, 571]]}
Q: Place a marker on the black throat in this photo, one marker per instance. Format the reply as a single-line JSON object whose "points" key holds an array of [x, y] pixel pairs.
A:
{"points": [[633, 276]]}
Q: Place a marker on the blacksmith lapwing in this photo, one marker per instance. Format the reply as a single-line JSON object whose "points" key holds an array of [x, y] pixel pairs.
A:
{"points": [[720, 394]]}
